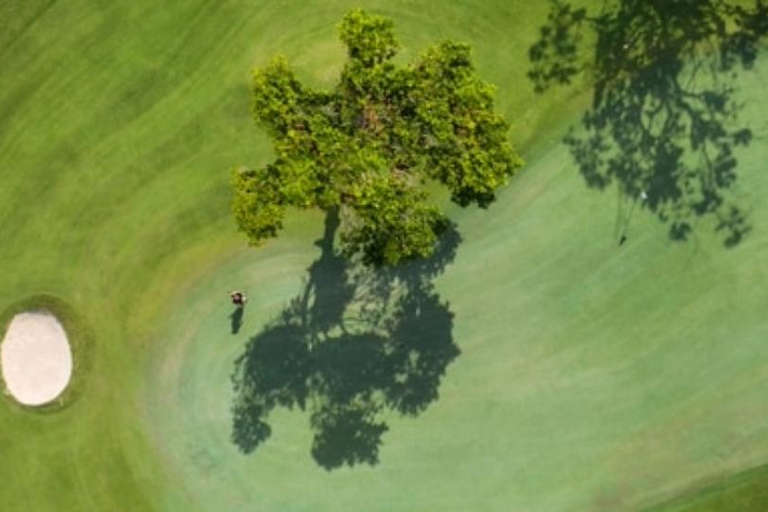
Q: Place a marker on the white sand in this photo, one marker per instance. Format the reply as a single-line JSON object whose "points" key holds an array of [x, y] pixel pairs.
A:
{"points": [[35, 358]]}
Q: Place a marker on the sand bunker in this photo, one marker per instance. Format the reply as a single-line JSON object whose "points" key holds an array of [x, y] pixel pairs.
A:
{"points": [[36, 359]]}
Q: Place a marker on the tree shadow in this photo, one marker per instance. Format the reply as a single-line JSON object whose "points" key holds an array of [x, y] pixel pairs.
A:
{"points": [[353, 344], [236, 319], [664, 120]]}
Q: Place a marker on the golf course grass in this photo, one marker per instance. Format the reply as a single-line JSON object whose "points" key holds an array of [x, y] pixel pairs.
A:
{"points": [[591, 377]]}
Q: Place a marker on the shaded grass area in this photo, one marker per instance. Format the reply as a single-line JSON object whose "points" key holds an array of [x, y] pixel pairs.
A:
{"points": [[354, 346], [663, 126]]}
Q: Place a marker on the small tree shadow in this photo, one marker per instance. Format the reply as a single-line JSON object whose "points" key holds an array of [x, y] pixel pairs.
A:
{"points": [[352, 344], [236, 319], [663, 124]]}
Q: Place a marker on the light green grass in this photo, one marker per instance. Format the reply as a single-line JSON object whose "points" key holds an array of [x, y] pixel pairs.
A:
{"points": [[591, 378]]}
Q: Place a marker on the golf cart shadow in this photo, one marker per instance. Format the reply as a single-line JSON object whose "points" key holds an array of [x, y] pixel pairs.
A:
{"points": [[354, 343]]}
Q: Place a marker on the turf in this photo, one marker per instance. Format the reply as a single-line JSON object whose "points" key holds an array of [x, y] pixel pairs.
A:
{"points": [[743, 491], [591, 378]]}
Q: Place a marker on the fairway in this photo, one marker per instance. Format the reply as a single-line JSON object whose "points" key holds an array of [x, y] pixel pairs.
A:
{"points": [[591, 377]]}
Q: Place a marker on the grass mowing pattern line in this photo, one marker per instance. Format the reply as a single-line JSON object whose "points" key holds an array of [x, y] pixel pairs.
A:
{"points": [[18, 17]]}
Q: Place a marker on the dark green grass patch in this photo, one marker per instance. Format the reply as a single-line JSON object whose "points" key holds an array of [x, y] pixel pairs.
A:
{"points": [[743, 492]]}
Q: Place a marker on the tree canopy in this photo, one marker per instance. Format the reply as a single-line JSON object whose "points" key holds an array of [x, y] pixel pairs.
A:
{"points": [[371, 144]]}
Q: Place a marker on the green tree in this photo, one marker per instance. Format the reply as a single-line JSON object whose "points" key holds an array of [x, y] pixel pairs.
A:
{"points": [[369, 146]]}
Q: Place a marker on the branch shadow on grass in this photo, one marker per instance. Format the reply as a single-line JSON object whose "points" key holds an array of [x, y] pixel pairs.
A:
{"points": [[352, 345], [664, 120]]}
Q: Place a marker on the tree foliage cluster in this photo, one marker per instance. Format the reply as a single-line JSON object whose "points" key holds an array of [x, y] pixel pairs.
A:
{"points": [[663, 123], [371, 145]]}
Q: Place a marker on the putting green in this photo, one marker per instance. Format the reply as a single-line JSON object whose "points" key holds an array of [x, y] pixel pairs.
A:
{"points": [[591, 377]]}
